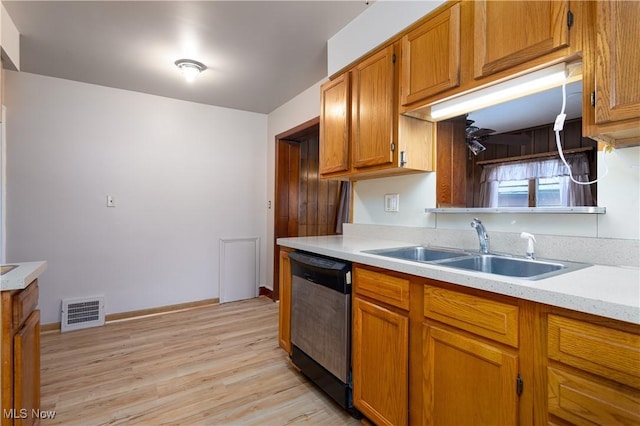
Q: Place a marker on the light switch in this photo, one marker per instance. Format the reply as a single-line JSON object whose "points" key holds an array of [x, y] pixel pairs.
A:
{"points": [[111, 202], [392, 202]]}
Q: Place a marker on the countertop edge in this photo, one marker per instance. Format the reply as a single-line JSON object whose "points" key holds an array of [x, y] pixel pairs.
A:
{"points": [[555, 291], [22, 276]]}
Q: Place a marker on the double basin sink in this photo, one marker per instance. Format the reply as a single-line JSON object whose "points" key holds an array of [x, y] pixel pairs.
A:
{"points": [[497, 264]]}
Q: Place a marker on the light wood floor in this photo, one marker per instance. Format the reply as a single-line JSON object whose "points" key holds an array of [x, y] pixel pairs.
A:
{"points": [[214, 365]]}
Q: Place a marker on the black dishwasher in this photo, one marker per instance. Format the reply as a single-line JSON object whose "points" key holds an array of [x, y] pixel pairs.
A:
{"points": [[321, 323]]}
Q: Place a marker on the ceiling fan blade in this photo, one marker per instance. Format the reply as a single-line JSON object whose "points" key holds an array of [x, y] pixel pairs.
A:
{"points": [[506, 139], [480, 133]]}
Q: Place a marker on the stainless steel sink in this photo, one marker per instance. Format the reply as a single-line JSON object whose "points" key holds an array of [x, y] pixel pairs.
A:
{"points": [[496, 264], [514, 267], [419, 253]]}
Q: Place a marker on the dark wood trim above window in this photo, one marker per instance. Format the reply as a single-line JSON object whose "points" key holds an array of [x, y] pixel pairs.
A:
{"points": [[529, 157]]}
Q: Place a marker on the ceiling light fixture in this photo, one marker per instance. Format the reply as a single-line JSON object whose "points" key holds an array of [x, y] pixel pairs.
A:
{"points": [[190, 68], [520, 86]]}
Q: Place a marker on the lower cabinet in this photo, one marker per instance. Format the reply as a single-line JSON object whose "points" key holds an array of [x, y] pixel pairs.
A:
{"points": [[470, 368], [26, 365], [435, 353], [380, 345], [20, 355], [284, 318], [593, 372], [380, 363], [467, 381]]}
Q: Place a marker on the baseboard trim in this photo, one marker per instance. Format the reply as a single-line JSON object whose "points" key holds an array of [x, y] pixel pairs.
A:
{"points": [[264, 291], [122, 316], [54, 326]]}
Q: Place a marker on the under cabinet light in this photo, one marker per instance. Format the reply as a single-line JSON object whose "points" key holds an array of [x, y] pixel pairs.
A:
{"points": [[528, 84]]}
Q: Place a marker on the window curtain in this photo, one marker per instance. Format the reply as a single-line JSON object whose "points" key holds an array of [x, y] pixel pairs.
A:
{"points": [[344, 206], [571, 194]]}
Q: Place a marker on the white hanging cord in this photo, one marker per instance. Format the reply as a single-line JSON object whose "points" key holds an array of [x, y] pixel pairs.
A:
{"points": [[558, 126]]}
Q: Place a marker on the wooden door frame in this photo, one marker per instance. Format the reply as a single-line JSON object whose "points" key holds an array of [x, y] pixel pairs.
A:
{"points": [[288, 137]]}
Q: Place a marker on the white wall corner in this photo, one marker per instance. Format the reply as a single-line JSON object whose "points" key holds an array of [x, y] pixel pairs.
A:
{"points": [[379, 22], [9, 41]]}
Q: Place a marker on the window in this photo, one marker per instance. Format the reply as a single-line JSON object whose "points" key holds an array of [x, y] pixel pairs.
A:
{"points": [[539, 192], [548, 192], [543, 182], [513, 193]]}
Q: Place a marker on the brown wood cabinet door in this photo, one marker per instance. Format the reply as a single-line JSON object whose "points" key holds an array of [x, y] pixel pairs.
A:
{"points": [[335, 116], [617, 61], [584, 401], [373, 110], [284, 319], [509, 33], [431, 57], [26, 375], [467, 381], [380, 363]]}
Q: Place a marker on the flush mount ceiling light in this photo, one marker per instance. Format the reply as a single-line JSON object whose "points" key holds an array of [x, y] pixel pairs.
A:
{"points": [[190, 68]]}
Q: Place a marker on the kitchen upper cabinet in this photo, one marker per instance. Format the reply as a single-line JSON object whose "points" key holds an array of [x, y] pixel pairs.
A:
{"points": [[335, 119], [381, 346], [612, 88], [373, 109], [362, 134], [593, 373], [618, 61], [509, 33], [431, 57]]}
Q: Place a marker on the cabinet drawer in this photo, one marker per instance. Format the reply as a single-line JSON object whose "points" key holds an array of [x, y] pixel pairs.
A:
{"points": [[382, 287], [24, 302], [488, 318], [582, 401], [604, 351]]}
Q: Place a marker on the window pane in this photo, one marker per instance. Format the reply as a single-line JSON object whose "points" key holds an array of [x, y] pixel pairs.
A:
{"points": [[513, 193], [549, 192]]}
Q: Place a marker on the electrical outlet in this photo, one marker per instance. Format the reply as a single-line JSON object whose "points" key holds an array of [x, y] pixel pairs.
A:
{"points": [[111, 202], [392, 202]]}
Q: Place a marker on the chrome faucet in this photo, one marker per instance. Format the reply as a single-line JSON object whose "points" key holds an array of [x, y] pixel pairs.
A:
{"points": [[482, 235]]}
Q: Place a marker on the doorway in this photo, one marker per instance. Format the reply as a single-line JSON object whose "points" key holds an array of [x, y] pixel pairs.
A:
{"points": [[304, 204]]}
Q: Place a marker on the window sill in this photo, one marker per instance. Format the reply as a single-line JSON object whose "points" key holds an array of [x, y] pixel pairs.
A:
{"points": [[528, 210]]}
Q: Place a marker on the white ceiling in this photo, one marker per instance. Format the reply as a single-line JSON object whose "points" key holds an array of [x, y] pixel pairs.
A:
{"points": [[530, 111], [259, 54]]}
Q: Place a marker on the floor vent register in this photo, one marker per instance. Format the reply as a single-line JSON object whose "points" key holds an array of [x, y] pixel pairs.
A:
{"points": [[82, 313]]}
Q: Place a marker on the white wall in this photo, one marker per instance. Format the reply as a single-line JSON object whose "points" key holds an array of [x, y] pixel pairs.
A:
{"points": [[415, 191], [183, 175], [298, 110]]}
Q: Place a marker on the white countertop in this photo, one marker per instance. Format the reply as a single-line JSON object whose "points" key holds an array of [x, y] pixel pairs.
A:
{"points": [[608, 291], [20, 277]]}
